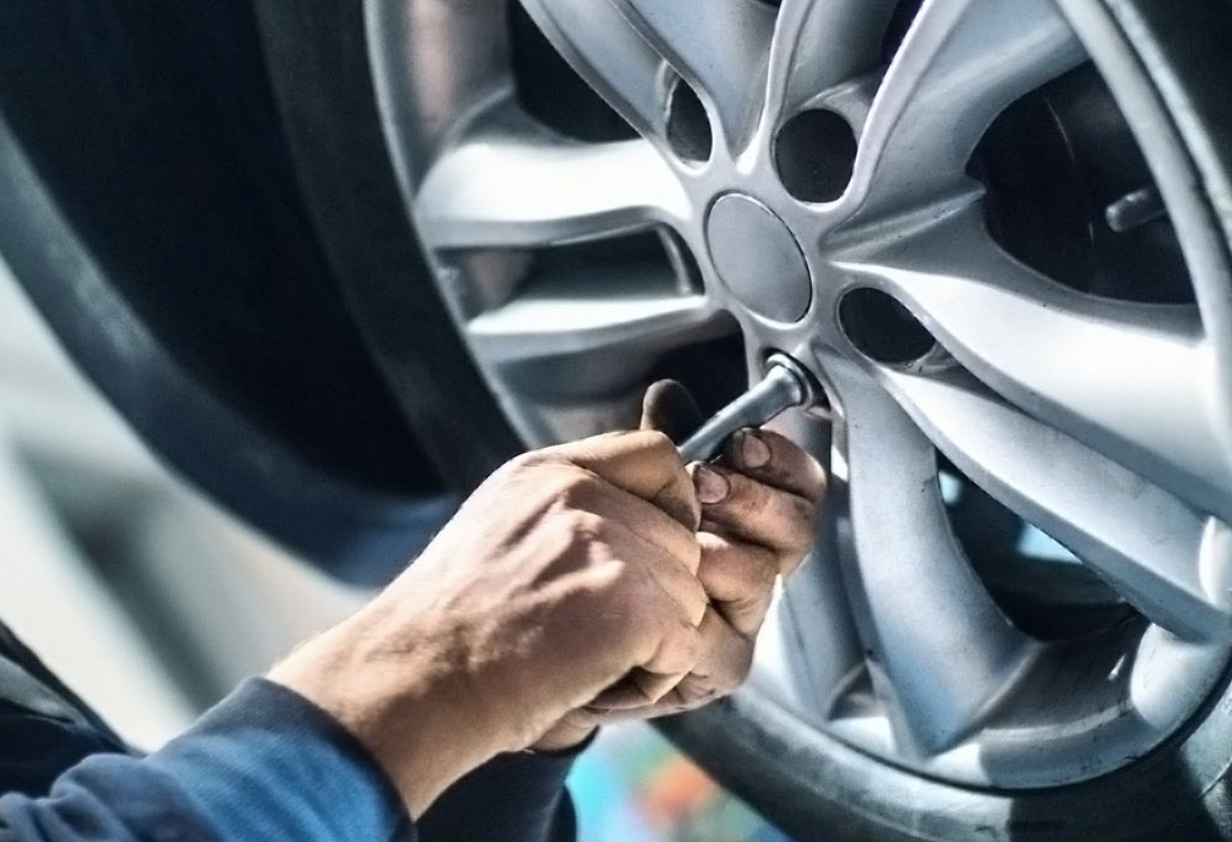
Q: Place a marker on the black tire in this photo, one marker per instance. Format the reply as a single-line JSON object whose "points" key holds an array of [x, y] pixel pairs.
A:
{"points": [[152, 215]]}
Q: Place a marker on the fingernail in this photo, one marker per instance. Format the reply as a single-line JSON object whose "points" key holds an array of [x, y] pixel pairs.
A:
{"points": [[712, 487], [754, 452]]}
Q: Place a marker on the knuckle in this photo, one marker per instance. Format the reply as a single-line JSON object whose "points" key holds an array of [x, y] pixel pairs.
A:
{"points": [[578, 491], [582, 528], [821, 477], [678, 633], [578, 534], [692, 641], [818, 483], [734, 672], [507, 474], [533, 471], [798, 515], [525, 460], [529, 459], [694, 691], [657, 440], [667, 457], [698, 604]]}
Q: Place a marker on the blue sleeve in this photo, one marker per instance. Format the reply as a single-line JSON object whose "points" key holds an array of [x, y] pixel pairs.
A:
{"points": [[264, 764], [267, 764], [512, 798]]}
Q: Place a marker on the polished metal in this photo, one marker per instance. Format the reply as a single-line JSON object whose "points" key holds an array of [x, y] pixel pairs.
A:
{"points": [[785, 386], [1135, 209], [1107, 424], [733, 222]]}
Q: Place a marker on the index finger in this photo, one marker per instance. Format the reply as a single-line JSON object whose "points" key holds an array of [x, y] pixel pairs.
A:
{"points": [[644, 463]]}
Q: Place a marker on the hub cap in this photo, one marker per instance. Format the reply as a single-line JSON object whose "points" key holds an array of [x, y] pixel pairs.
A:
{"points": [[734, 222], [819, 198]]}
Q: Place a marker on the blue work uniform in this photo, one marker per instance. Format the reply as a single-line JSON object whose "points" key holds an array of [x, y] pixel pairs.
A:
{"points": [[264, 764]]}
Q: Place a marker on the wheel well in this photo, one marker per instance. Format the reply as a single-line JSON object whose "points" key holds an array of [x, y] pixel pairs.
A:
{"points": [[153, 133]]}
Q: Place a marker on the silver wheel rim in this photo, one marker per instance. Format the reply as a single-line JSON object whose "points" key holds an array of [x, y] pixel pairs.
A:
{"points": [[888, 639]]}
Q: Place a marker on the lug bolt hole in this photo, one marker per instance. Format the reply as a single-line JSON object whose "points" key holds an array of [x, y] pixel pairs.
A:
{"points": [[814, 153], [688, 125], [882, 329]]}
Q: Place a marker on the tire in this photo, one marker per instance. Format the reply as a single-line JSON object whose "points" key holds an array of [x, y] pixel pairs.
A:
{"points": [[152, 217]]}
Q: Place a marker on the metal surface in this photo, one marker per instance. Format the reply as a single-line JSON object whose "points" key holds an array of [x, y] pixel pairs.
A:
{"points": [[785, 386], [734, 222], [1133, 210], [1105, 422]]}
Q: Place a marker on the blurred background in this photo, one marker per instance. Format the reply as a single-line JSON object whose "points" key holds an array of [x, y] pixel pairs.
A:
{"points": [[152, 603]]}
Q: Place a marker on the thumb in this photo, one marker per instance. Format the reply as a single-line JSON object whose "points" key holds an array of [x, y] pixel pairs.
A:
{"points": [[669, 408]]}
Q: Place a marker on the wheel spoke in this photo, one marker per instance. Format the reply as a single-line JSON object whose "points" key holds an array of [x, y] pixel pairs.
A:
{"points": [[818, 44], [941, 652], [604, 48], [624, 315], [1134, 382], [1138, 537], [961, 63], [720, 50], [512, 183]]}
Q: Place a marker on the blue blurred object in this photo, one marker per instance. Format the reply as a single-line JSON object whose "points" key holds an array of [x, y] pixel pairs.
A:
{"points": [[633, 786]]}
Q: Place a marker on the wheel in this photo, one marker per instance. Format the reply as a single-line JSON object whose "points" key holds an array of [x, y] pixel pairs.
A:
{"points": [[996, 232]]}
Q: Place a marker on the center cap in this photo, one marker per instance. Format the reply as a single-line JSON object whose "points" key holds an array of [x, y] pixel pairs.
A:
{"points": [[758, 258]]}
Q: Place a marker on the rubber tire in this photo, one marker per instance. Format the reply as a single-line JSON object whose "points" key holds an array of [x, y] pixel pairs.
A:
{"points": [[318, 62], [151, 214]]}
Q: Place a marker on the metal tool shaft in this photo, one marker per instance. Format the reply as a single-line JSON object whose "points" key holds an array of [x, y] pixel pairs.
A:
{"points": [[783, 387]]}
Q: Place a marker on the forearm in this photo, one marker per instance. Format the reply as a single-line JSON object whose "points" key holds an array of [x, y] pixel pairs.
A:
{"points": [[265, 764]]}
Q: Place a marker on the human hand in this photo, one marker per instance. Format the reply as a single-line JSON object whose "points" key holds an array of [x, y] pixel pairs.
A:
{"points": [[759, 508], [569, 569]]}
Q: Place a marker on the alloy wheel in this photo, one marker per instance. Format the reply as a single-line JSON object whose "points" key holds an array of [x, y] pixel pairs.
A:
{"points": [[807, 177]]}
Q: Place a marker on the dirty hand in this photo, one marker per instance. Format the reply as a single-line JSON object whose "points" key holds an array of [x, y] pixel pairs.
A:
{"points": [[759, 510], [568, 570]]}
